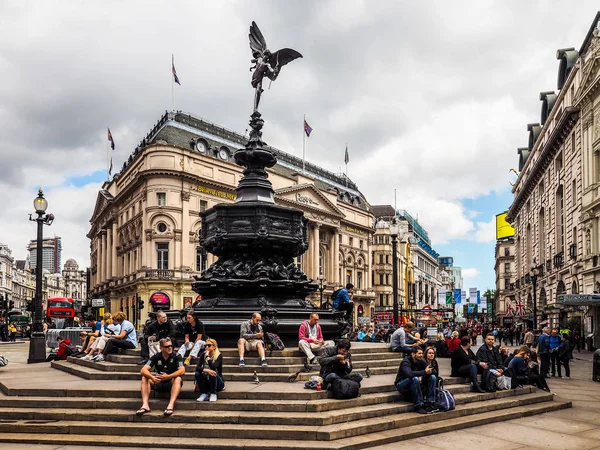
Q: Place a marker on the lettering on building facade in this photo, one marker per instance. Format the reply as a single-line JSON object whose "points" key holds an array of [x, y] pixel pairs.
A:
{"points": [[355, 230], [305, 199], [216, 193]]}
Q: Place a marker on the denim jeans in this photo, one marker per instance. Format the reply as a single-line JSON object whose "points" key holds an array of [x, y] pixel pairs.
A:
{"points": [[351, 376], [468, 371], [209, 384], [412, 387]]}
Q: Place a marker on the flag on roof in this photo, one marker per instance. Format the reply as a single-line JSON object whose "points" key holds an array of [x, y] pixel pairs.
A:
{"points": [[111, 140], [175, 77], [307, 128], [110, 168], [346, 157]]}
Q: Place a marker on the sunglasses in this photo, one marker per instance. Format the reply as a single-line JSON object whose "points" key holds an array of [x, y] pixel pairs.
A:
{"points": [[167, 346], [209, 345]]}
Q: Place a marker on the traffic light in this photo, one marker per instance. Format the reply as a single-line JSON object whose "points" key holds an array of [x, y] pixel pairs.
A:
{"points": [[29, 307], [140, 303], [11, 305]]}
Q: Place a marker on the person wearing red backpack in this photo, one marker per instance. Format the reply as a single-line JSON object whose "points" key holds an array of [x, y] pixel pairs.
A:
{"points": [[63, 351]]}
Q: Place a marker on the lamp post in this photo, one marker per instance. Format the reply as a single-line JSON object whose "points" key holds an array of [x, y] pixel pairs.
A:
{"points": [[534, 274], [37, 343], [322, 283], [394, 230]]}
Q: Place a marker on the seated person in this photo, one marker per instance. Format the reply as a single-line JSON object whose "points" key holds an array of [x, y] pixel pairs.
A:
{"points": [[158, 329], [168, 378], [362, 333], [505, 354], [310, 338], [414, 376], [336, 362], [453, 342], [209, 372], [96, 326], [251, 339], [126, 339], [490, 355], [368, 337], [194, 332], [62, 352], [524, 375], [441, 346], [109, 328], [465, 364], [381, 335], [343, 303], [398, 342]]}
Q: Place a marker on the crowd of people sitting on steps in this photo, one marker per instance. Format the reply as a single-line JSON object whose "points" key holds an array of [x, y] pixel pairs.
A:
{"points": [[418, 378]]}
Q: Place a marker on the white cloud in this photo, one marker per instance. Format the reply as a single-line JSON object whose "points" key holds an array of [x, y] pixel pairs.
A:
{"points": [[486, 231], [470, 273]]}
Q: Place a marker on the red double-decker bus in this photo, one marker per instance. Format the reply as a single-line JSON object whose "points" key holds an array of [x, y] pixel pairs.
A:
{"points": [[60, 308]]}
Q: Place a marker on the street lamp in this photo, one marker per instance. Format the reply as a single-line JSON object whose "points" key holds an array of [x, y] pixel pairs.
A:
{"points": [[37, 343], [394, 230], [534, 274], [322, 284]]}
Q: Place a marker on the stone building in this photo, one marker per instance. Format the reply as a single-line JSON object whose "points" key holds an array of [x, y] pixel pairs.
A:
{"points": [[6, 272], [506, 277], [51, 254], [553, 211], [75, 282], [144, 229], [23, 285]]}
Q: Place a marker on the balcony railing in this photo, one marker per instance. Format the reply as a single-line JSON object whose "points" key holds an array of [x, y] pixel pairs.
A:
{"points": [[559, 259], [160, 274], [573, 251]]}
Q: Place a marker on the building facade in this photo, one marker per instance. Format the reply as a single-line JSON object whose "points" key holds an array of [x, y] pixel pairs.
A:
{"points": [[51, 254], [23, 284], [145, 227], [6, 272], [75, 282], [506, 277], [555, 191]]}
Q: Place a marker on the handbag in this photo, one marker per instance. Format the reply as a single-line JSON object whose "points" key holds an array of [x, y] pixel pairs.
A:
{"points": [[445, 399], [503, 382]]}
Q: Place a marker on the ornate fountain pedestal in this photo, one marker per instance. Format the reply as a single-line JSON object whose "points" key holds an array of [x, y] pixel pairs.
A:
{"points": [[256, 242]]}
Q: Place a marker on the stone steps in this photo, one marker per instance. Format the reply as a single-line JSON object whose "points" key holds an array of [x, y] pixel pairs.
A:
{"points": [[350, 435], [205, 412]]}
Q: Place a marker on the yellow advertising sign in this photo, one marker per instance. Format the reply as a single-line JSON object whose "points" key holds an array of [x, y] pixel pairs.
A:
{"points": [[216, 193], [503, 228]]}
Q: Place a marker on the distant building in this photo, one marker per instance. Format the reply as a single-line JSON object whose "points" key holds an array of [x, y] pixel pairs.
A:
{"points": [[506, 277], [23, 284], [6, 263], [75, 282], [51, 254]]}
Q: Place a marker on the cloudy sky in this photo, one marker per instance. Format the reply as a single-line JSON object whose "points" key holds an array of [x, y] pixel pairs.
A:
{"points": [[431, 97]]}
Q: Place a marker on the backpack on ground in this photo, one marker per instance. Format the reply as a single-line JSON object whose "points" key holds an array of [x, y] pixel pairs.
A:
{"points": [[335, 301], [71, 349], [3, 361], [445, 399], [488, 381], [342, 389], [274, 342]]}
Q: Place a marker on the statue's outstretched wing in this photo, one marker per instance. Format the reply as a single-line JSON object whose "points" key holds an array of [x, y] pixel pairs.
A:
{"points": [[257, 40], [282, 57]]}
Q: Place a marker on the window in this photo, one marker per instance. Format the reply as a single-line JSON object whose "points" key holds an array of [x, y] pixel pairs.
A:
{"points": [[560, 220], [381, 258], [340, 237], [360, 244], [162, 255], [387, 278], [161, 227], [387, 259], [372, 278], [200, 259], [359, 280], [559, 163], [203, 204], [573, 194], [161, 198], [507, 283], [507, 251], [380, 299], [507, 267], [350, 241], [348, 276], [381, 279], [542, 234], [321, 262]]}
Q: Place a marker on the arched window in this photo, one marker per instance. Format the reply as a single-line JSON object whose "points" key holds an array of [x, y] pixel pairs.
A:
{"points": [[321, 262], [543, 299], [528, 244], [574, 289], [560, 288]]}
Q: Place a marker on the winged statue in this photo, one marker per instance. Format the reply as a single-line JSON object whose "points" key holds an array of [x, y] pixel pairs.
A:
{"points": [[266, 64]]}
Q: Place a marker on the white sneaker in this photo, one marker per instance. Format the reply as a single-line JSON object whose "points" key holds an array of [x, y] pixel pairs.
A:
{"points": [[202, 398], [213, 398], [99, 358], [87, 357], [94, 358]]}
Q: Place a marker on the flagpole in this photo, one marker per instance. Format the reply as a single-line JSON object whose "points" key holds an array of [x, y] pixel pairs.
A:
{"points": [[345, 160], [172, 81], [304, 145]]}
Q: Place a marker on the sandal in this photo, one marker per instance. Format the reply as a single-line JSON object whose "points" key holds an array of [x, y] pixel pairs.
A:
{"points": [[168, 412], [142, 411]]}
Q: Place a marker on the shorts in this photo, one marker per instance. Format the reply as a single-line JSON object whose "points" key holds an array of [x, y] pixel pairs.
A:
{"points": [[164, 386], [252, 346]]}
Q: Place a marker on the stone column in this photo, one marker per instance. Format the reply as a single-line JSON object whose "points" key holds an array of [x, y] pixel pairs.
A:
{"points": [[336, 258], [114, 242], [109, 245], [187, 259], [100, 257], [317, 235]]}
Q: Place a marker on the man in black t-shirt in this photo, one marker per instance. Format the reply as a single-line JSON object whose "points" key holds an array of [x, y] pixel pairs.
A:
{"points": [[194, 337], [168, 378], [159, 329]]}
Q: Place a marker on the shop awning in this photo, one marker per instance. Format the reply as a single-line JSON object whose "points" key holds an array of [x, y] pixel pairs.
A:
{"points": [[579, 299]]}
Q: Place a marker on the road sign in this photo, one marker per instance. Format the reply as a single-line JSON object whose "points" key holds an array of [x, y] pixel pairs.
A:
{"points": [[97, 303], [426, 310]]}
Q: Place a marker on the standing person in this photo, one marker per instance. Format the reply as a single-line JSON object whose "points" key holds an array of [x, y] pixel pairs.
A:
{"points": [[414, 374], [168, 378], [554, 342], [126, 339], [12, 332], [577, 338], [342, 301], [310, 338], [528, 338], [194, 333], [565, 354], [544, 352], [465, 364], [3, 330], [251, 339], [336, 362], [209, 372]]}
